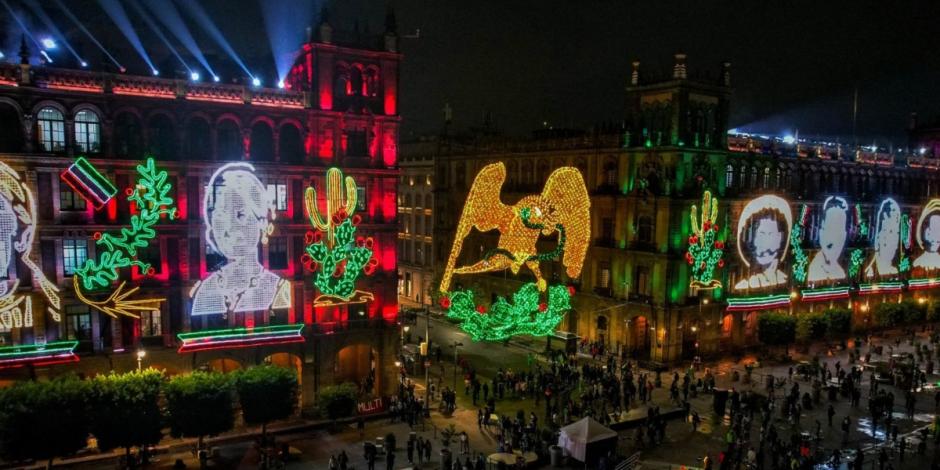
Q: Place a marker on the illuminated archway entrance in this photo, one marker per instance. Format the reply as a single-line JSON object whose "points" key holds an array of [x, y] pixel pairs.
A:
{"points": [[223, 365], [727, 331], [750, 328], [357, 363], [638, 337]]}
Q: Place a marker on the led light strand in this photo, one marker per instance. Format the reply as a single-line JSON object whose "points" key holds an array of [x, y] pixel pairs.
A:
{"points": [[89, 183], [38, 354], [926, 283], [525, 315], [800, 260], [151, 196], [891, 287], [705, 249], [240, 337], [829, 293], [904, 264], [340, 257], [765, 302]]}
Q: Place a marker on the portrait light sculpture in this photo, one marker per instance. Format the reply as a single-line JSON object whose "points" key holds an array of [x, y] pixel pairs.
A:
{"points": [[238, 214], [928, 237], [151, 196], [563, 208], [825, 265], [334, 251], [765, 220], [887, 241], [17, 232], [705, 249]]}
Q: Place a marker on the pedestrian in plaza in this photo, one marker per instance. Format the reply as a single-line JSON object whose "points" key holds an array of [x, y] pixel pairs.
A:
{"points": [[411, 450], [370, 460], [882, 458], [831, 412], [427, 450], [902, 446], [333, 465], [846, 424], [390, 461], [361, 426], [343, 460]]}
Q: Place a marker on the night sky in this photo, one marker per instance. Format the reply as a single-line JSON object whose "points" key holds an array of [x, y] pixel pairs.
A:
{"points": [[795, 64]]}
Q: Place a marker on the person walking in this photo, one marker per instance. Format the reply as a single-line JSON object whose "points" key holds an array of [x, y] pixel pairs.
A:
{"points": [[831, 412], [390, 461]]}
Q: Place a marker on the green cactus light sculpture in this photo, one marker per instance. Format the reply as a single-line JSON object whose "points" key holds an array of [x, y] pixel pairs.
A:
{"points": [[334, 252]]}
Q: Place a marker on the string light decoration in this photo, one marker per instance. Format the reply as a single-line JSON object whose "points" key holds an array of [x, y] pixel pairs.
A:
{"points": [[705, 248], [891, 287], [18, 229], [800, 259], [857, 255], [763, 240], [921, 284], [904, 263], [928, 237], [238, 214], [340, 256], [56, 352], [151, 197], [505, 319], [829, 293], [563, 208], [234, 338], [764, 302], [89, 183]]}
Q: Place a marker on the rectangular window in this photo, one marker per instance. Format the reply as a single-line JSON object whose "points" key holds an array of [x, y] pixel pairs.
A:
{"points": [[361, 198], [70, 200], [603, 280], [74, 254], [278, 193], [641, 281], [607, 228], [151, 323], [356, 143], [78, 322], [151, 255], [277, 253]]}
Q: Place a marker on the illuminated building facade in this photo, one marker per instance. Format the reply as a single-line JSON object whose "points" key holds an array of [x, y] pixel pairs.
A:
{"points": [[416, 258], [864, 220], [239, 161]]}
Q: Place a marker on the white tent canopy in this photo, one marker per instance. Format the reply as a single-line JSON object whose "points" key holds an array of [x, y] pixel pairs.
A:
{"points": [[576, 437]]}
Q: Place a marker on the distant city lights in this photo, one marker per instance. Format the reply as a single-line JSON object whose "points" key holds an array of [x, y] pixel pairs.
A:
{"points": [[48, 43]]}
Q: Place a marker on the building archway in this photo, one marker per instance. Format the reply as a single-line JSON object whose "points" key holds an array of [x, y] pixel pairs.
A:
{"points": [[198, 140], [638, 337], [223, 365], [750, 328], [127, 131], [727, 330], [357, 363], [290, 145], [261, 147], [228, 141], [11, 139], [161, 137]]}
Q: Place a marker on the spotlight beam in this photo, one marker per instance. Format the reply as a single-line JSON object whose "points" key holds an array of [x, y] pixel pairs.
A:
{"points": [[285, 23], [114, 9], [202, 17], [39, 12], [21, 24], [85, 30], [156, 29], [167, 13]]}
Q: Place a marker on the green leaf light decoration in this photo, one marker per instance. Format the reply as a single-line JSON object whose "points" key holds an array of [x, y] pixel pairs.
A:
{"points": [[526, 314], [800, 260]]}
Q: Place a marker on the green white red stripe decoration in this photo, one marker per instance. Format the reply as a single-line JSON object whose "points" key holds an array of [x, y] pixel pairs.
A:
{"points": [[828, 293], [234, 338], [926, 283], [891, 287], [765, 302], [56, 352]]}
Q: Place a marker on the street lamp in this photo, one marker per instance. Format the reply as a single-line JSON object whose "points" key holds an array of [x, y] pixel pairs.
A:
{"points": [[456, 345], [140, 358]]}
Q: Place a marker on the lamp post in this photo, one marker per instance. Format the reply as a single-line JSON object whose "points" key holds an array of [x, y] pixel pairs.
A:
{"points": [[140, 358]]}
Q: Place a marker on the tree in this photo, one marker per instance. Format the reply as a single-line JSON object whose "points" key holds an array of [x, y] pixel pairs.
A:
{"points": [[809, 326], [200, 404], [775, 329], [914, 311], [838, 321], [338, 401], [126, 411], [266, 393], [43, 420]]}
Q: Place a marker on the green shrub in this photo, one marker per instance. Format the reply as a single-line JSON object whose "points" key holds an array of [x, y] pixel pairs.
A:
{"points": [[266, 393], [810, 326], [838, 321], [42, 420], [338, 401], [888, 314], [200, 404], [125, 409], [775, 329]]}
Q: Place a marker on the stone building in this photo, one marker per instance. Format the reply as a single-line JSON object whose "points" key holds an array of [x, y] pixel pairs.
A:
{"points": [[338, 108]]}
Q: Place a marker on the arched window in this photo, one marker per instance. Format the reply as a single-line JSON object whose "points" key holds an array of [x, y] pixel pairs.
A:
{"points": [[290, 146], [87, 132], [51, 130], [197, 139], [127, 135], [766, 183], [262, 142], [777, 181], [644, 232], [610, 174], [11, 139], [356, 84], [228, 140], [601, 322], [161, 137], [729, 176]]}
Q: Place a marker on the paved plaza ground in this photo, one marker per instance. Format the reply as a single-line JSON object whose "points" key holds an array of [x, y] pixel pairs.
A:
{"points": [[682, 446]]}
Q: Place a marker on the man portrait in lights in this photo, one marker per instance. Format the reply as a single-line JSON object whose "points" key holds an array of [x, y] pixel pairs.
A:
{"points": [[238, 213], [928, 236], [887, 240], [17, 229], [832, 233], [763, 239]]}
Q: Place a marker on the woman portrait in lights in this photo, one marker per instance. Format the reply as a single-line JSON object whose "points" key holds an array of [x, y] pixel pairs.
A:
{"points": [[887, 240], [763, 238], [238, 214], [832, 233], [17, 229], [928, 236]]}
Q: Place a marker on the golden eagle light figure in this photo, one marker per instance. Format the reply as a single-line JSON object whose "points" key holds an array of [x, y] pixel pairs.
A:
{"points": [[563, 207]]}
